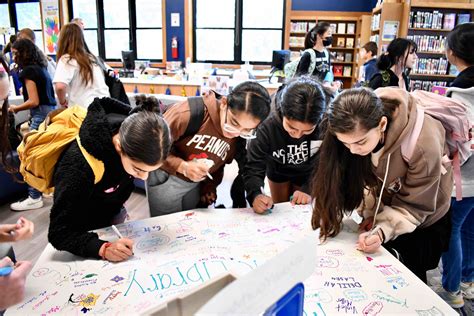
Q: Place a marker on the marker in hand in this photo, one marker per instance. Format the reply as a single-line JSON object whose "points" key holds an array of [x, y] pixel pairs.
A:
{"points": [[5, 271], [269, 210], [117, 232]]}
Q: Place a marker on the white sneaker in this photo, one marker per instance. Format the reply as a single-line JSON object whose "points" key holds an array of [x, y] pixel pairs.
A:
{"points": [[27, 204], [467, 289], [454, 299]]}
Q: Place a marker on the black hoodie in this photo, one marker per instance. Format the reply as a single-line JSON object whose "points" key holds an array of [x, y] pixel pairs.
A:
{"points": [[276, 152], [79, 205]]}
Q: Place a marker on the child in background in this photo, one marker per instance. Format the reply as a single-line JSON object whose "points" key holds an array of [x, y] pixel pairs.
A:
{"points": [[39, 98], [458, 261], [368, 54], [394, 65], [195, 166], [361, 147], [115, 136], [287, 145]]}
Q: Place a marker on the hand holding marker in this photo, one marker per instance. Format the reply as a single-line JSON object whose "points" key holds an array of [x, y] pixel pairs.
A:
{"points": [[119, 235], [269, 210]]}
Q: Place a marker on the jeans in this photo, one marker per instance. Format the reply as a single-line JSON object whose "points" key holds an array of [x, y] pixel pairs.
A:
{"points": [[38, 114], [458, 261], [169, 194]]}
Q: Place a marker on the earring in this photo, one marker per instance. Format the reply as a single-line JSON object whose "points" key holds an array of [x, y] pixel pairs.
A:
{"points": [[382, 137]]}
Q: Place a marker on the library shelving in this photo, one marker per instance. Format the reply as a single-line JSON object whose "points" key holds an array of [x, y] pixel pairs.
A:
{"points": [[386, 15], [428, 24], [362, 37], [345, 29]]}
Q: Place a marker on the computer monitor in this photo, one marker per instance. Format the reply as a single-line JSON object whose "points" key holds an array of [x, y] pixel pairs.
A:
{"points": [[280, 58], [128, 59]]}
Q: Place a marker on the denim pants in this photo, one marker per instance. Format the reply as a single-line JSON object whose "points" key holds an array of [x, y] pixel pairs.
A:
{"points": [[458, 261], [38, 114], [169, 194]]}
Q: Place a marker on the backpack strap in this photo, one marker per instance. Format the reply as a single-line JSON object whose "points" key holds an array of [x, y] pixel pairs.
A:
{"points": [[196, 107], [96, 165], [409, 143]]}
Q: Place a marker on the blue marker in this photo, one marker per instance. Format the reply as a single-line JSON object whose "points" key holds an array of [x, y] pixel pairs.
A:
{"points": [[5, 271]]}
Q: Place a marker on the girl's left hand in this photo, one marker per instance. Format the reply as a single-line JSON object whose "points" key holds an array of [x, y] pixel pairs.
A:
{"points": [[209, 198], [369, 243], [300, 198], [12, 108], [23, 229]]}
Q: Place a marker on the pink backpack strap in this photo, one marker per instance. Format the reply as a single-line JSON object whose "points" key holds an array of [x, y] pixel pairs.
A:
{"points": [[409, 143]]}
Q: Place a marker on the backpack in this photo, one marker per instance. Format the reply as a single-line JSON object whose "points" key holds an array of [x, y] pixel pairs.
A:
{"points": [[290, 68], [454, 117], [40, 149], [196, 107], [116, 88]]}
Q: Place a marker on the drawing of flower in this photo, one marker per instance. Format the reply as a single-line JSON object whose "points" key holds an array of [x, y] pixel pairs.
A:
{"points": [[89, 301]]}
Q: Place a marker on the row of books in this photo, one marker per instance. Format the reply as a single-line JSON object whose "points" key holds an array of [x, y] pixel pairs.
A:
{"points": [[375, 22], [429, 43], [296, 41], [436, 19], [426, 85], [339, 71], [301, 27], [345, 42], [336, 28], [342, 28], [341, 57], [431, 66]]}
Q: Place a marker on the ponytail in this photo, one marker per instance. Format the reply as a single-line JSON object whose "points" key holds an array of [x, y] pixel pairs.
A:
{"points": [[144, 134]]}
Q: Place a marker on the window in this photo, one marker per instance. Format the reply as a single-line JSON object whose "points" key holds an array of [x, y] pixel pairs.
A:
{"points": [[112, 26], [87, 11], [4, 16], [28, 16], [238, 33]]}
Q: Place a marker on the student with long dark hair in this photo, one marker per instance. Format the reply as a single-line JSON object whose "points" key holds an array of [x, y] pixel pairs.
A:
{"points": [[38, 95], [130, 146], [287, 145], [458, 261], [316, 62], [395, 64], [195, 167], [361, 155]]}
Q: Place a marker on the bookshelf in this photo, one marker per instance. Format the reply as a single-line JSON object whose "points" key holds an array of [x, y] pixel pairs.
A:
{"points": [[383, 15], [428, 24], [343, 50], [362, 37]]}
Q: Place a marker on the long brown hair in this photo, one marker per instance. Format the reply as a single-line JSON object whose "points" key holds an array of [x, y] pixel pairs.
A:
{"points": [[6, 159], [341, 177], [71, 41]]}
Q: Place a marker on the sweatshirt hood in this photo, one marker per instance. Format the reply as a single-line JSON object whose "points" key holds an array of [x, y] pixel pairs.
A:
{"points": [[403, 119], [104, 117], [213, 108]]}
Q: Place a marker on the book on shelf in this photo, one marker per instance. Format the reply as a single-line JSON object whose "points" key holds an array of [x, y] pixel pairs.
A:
{"points": [[333, 27], [375, 22], [337, 70], [351, 28], [298, 27], [340, 56], [332, 55], [341, 42], [423, 19], [341, 28], [350, 42], [429, 43], [430, 66], [428, 85], [348, 57], [464, 18], [439, 90], [347, 71], [449, 21], [311, 25]]}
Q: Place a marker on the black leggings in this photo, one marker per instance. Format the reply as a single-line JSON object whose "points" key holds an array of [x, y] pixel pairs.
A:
{"points": [[421, 250]]}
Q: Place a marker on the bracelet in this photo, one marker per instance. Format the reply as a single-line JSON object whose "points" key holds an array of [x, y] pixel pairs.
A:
{"points": [[106, 245]]}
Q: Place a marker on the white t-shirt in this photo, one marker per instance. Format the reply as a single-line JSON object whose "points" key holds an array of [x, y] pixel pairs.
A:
{"points": [[67, 71]]}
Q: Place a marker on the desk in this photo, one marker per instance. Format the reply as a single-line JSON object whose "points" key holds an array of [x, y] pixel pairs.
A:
{"points": [[177, 252], [160, 84]]}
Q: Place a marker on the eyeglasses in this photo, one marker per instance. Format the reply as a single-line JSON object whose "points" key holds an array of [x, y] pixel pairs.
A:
{"points": [[246, 134]]}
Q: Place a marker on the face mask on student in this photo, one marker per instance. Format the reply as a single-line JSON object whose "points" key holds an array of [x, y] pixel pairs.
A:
{"points": [[327, 41]]}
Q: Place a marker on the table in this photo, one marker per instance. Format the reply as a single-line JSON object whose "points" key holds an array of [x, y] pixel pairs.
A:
{"points": [[180, 251]]}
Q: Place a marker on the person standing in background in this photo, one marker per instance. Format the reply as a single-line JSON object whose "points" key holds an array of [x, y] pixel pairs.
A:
{"points": [[29, 34], [368, 54]]}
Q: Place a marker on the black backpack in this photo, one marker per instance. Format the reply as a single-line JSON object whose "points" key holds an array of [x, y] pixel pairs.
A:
{"points": [[196, 107], [116, 88]]}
